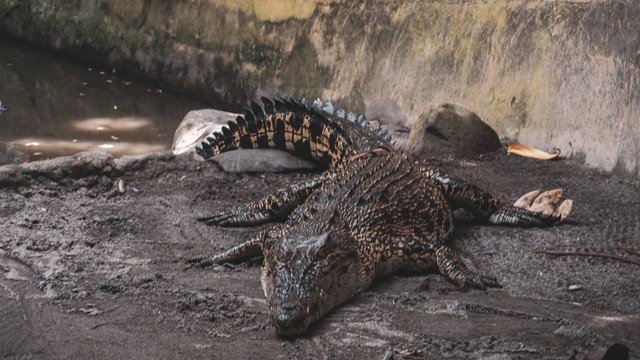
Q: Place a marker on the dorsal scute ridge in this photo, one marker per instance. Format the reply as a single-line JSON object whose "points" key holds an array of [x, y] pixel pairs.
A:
{"points": [[311, 129]]}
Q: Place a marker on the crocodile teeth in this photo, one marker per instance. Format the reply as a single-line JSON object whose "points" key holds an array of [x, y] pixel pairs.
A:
{"points": [[340, 113], [531, 152]]}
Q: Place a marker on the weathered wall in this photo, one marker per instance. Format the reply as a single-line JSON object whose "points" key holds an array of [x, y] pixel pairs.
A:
{"points": [[561, 73]]}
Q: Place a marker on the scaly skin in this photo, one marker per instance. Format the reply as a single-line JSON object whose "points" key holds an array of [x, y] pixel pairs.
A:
{"points": [[373, 213]]}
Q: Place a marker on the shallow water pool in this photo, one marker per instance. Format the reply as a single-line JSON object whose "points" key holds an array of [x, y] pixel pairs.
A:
{"points": [[52, 106]]}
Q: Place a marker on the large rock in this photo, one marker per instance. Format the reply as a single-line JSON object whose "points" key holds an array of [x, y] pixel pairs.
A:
{"points": [[450, 129]]}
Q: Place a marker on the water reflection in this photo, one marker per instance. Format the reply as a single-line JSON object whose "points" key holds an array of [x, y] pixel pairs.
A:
{"points": [[54, 147], [57, 107], [128, 123]]}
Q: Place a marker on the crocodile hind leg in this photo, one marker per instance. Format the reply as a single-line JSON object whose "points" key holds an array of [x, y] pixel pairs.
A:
{"points": [[273, 207], [533, 209], [248, 248], [451, 265]]}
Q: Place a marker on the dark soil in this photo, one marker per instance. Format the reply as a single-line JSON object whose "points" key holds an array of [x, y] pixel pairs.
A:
{"points": [[89, 272]]}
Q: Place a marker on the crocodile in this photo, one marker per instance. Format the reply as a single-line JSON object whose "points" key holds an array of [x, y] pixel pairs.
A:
{"points": [[374, 212]]}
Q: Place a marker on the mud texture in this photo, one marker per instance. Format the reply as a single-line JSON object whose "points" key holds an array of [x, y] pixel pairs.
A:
{"points": [[89, 272]]}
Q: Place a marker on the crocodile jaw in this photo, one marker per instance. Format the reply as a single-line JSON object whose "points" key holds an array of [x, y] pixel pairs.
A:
{"points": [[295, 306], [302, 288]]}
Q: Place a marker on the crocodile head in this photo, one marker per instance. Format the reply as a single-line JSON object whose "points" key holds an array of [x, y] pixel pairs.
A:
{"points": [[304, 277]]}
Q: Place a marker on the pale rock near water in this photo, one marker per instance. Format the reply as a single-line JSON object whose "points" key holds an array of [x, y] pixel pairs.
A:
{"points": [[198, 124]]}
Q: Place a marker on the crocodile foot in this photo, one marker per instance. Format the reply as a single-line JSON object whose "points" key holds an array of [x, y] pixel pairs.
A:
{"points": [[534, 209], [451, 266]]}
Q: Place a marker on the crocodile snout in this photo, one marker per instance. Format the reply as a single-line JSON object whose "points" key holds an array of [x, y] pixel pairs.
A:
{"points": [[289, 321]]}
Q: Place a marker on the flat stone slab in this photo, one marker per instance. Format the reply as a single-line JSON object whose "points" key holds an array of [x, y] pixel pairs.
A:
{"points": [[262, 160]]}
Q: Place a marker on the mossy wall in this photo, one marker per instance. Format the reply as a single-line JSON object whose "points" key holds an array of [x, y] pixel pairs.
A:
{"points": [[561, 73]]}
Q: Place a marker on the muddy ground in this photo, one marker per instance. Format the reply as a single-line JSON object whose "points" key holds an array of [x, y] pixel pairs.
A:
{"points": [[89, 272]]}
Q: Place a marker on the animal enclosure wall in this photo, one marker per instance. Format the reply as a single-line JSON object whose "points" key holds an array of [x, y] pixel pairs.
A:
{"points": [[561, 73]]}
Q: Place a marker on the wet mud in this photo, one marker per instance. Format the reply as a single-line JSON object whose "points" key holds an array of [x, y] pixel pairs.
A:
{"points": [[87, 271]]}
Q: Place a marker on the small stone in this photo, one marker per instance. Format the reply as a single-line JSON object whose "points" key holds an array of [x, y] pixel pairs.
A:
{"points": [[575, 287]]}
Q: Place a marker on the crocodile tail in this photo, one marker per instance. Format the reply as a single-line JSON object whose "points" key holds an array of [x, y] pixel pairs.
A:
{"points": [[283, 124]]}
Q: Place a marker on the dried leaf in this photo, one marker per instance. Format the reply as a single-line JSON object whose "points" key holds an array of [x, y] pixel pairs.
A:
{"points": [[531, 152]]}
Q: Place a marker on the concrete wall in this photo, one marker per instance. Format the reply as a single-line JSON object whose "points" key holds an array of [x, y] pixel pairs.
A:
{"points": [[563, 73]]}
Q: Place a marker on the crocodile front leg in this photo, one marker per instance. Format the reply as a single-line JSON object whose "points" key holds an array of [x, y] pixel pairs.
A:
{"points": [[273, 207], [533, 209], [248, 248], [451, 265]]}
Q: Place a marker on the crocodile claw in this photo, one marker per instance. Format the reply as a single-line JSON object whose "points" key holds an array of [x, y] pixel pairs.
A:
{"points": [[241, 216], [477, 281], [451, 265], [197, 261], [221, 218], [534, 209]]}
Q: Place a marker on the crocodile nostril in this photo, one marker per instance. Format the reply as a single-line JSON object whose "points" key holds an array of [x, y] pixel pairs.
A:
{"points": [[288, 305]]}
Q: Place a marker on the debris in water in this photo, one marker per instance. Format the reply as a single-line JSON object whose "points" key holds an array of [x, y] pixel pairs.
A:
{"points": [[3, 108], [121, 187], [33, 143], [531, 152], [106, 146]]}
